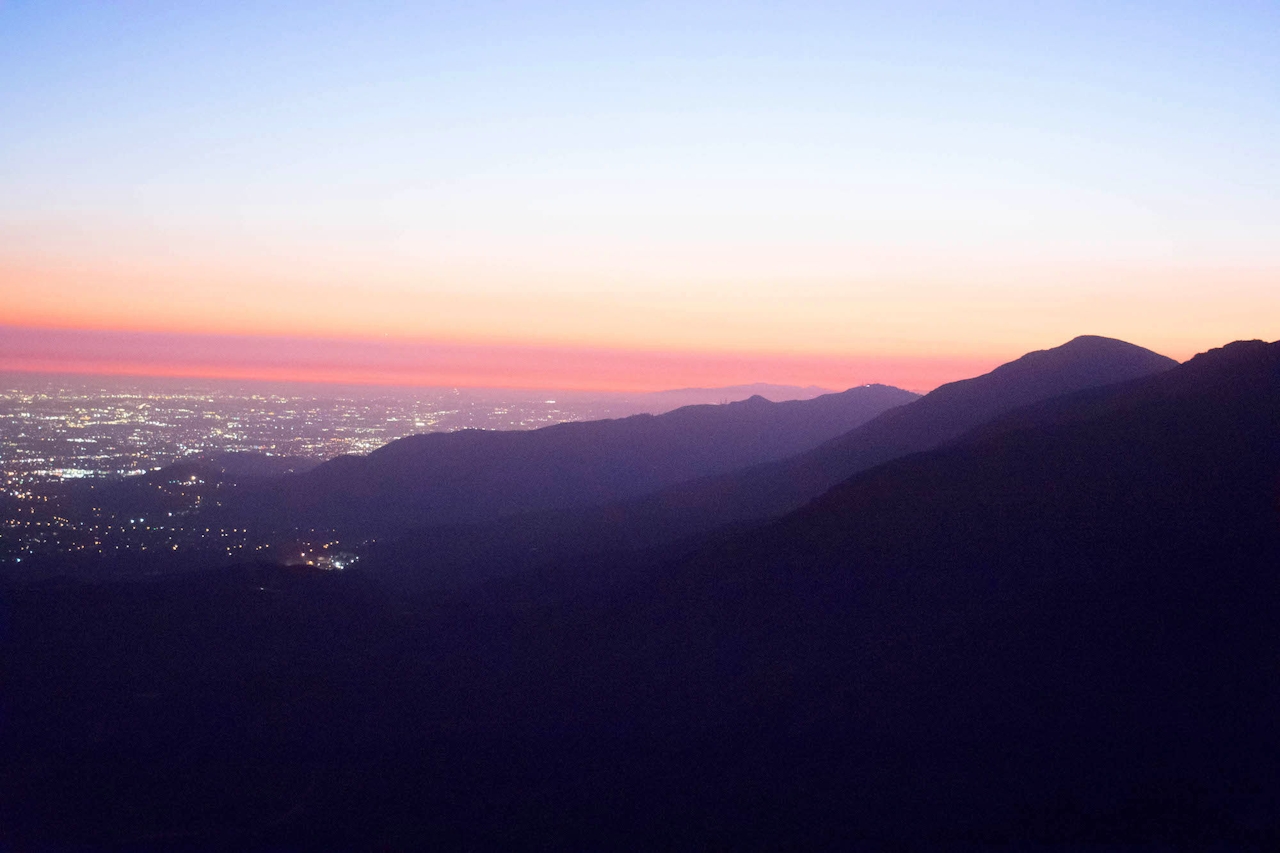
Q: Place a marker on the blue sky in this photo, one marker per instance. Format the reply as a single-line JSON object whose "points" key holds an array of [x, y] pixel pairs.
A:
{"points": [[637, 165]]}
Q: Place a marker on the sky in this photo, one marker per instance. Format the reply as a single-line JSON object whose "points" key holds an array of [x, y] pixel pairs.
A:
{"points": [[631, 196]]}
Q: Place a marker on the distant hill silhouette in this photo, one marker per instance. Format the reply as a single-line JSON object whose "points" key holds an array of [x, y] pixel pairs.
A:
{"points": [[473, 476], [1055, 632], [773, 488], [658, 402]]}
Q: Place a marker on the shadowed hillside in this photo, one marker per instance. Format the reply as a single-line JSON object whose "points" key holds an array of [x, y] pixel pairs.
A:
{"points": [[770, 489], [473, 475], [1061, 630]]}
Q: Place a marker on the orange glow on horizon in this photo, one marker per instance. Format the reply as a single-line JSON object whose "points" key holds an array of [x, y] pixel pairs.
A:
{"points": [[971, 312], [400, 363]]}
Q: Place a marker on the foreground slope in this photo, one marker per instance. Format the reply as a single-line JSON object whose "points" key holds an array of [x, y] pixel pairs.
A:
{"points": [[474, 475], [1060, 630]]}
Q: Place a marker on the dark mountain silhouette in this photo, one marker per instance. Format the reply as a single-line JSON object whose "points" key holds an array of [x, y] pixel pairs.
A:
{"points": [[473, 475], [940, 416], [1057, 632], [465, 553]]}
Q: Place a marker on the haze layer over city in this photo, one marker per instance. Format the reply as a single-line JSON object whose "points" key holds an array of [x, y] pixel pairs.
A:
{"points": [[62, 437], [100, 430], [69, 427]]}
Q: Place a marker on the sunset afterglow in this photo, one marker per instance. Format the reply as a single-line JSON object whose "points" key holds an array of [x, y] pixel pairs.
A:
{"points": [[591, 196]]}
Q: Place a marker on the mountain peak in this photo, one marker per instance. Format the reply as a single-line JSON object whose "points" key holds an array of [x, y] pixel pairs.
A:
{"points": [[1083, 362], [1094, 340], [1096, 346]]}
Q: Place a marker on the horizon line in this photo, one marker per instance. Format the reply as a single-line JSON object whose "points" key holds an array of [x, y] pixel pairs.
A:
{"points": [[421, 364]]}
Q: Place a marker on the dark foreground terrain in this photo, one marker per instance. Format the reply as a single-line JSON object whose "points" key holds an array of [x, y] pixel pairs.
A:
{"points": [[1058, 629]]}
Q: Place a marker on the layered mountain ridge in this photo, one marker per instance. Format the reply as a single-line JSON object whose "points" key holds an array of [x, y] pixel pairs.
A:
{"points": [[1054, 630], [473, 475], [463, 554]]}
